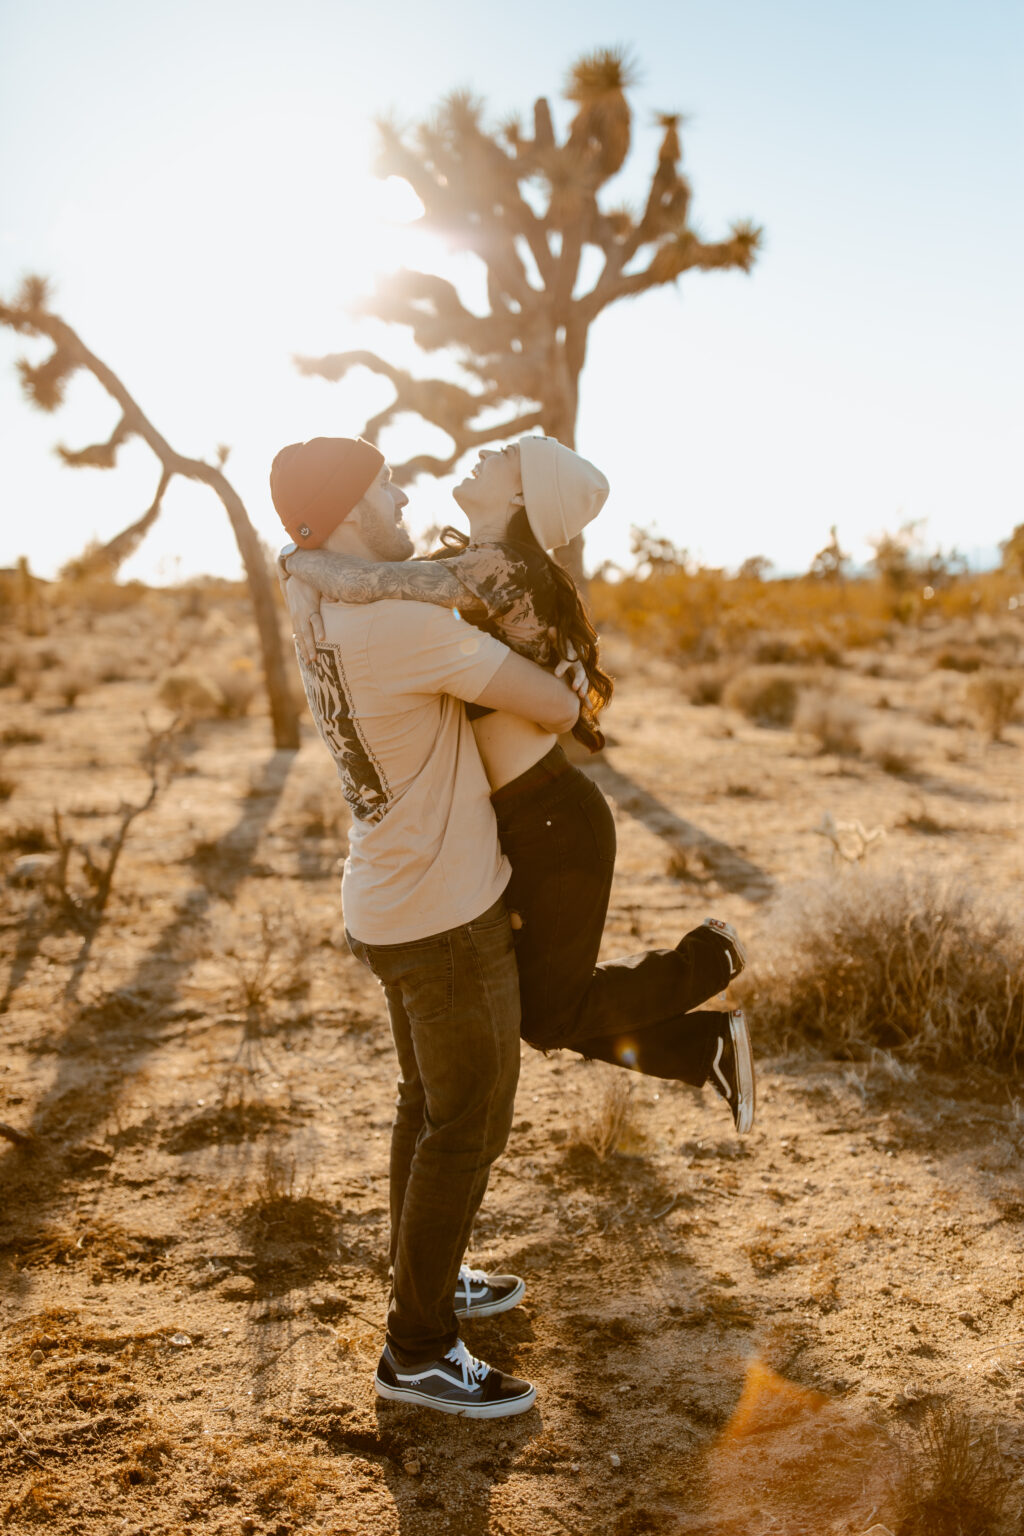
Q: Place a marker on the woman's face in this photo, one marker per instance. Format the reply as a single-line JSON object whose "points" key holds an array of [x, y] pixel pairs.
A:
{"points": [[493, 488]]}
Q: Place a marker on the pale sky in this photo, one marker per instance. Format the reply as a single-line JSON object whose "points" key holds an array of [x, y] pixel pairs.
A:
{"points": [[196, 179]]}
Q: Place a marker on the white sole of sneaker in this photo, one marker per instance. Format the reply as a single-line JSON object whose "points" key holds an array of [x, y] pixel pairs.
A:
{"points": [[745, 1079], [498, 1410], [492, 1308]]}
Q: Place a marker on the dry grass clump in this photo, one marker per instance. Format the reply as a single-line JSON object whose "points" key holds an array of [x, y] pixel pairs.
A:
{"points": [[766, 695], [894, 747], [950, 1481], [610, 1123], [992, 697], [39, 1501], [285, 1479], [834, 722], [895, 961]]}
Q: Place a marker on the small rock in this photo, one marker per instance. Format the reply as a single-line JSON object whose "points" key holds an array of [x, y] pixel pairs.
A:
{"points": [[36, 1357], [33, 868], [574, 1466], [878, 1530], [180, 1341], [616, 1460], [412, 1467], [968, 1318], [237, 1288]]}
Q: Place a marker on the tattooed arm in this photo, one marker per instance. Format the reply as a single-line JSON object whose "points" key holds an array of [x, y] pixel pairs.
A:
{"points": [[347, 579]]}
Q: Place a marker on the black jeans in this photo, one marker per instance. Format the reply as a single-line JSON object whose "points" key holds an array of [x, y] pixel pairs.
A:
{"points": [[558, 833], [453, 1000]]}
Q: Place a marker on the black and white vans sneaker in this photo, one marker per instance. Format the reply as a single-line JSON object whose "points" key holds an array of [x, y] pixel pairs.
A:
{"points": [[732, 1072], [457, 1383], [730, 942], [481, 1295]]}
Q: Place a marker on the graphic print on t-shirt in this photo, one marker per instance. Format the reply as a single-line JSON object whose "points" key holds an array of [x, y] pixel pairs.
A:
{"points": [[362, 779]]}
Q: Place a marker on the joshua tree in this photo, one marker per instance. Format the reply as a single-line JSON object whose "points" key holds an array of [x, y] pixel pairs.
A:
{"points": [[527, 206], [44, 386]]}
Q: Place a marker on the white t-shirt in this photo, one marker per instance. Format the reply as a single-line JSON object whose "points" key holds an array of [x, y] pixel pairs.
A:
{"points": [[385, 692]]}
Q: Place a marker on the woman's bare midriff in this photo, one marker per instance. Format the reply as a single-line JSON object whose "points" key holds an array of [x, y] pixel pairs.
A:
{"points": [[508, 745]]}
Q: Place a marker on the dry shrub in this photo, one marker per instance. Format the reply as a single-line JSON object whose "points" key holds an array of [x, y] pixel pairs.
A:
{"points": [[796, 650], [704, 684], [267, 956], [766, 695], [940, 700], [951, 1481], [893, 747], [834, 722], [28, 682], [320, 811], [69, 687], [894, 961], [960, 658], [190, 694], [27, 837], [238, 685], [610, 1123], [992, 697]]}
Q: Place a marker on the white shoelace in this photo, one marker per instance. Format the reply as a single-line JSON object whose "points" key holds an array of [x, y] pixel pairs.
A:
{"points": [[473, 1370], [468, 1277]]}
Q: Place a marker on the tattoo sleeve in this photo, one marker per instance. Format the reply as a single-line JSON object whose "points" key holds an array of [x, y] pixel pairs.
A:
{"points": [[346, 579]]}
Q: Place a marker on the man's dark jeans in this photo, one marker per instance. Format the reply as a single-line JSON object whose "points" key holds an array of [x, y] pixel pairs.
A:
{"points": [[453, 999], [559, 835]]}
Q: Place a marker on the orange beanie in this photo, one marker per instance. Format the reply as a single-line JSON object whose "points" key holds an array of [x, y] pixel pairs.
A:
{"points": [[315, 485]]}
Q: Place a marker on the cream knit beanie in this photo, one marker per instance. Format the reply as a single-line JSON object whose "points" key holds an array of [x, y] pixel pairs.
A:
{"points": [[563, 492]]}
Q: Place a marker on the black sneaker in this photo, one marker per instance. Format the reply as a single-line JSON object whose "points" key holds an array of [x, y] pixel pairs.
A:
{"points": [[457, 1383], [730, 942], [732, 1072], [480, 1295]]}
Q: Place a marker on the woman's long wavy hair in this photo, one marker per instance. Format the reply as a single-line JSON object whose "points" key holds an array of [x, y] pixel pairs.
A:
{"points": [[570, 621]]}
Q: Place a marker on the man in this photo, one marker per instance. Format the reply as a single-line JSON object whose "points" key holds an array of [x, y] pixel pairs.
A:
{"points": [[422, 896]]}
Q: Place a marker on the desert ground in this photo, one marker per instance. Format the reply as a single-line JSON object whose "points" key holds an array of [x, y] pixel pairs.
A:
{"points": [[816, 1329]]}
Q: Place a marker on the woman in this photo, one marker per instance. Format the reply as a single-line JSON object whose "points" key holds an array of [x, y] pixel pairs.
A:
{"points": [[555, 826]]}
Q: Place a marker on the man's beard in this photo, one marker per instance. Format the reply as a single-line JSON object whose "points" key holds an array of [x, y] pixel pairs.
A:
{"points": [[387, 540]]}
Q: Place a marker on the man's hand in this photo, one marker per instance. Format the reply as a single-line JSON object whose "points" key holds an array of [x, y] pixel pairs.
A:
{"points": [[304, 608]]}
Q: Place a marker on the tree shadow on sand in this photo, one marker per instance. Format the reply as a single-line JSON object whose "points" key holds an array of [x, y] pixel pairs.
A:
{"points": [[732, 871], [64, 1112]]}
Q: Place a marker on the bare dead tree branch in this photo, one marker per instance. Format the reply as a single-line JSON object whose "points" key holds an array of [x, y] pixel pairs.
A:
{"points": [[44, 384]]}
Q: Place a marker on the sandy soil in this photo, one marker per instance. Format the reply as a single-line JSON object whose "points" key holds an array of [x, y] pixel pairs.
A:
{"points": [[727, 1336]]}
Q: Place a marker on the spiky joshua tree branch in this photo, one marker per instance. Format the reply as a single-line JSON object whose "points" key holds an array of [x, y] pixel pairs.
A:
{"points": [[44, 384], [527, 206]]}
